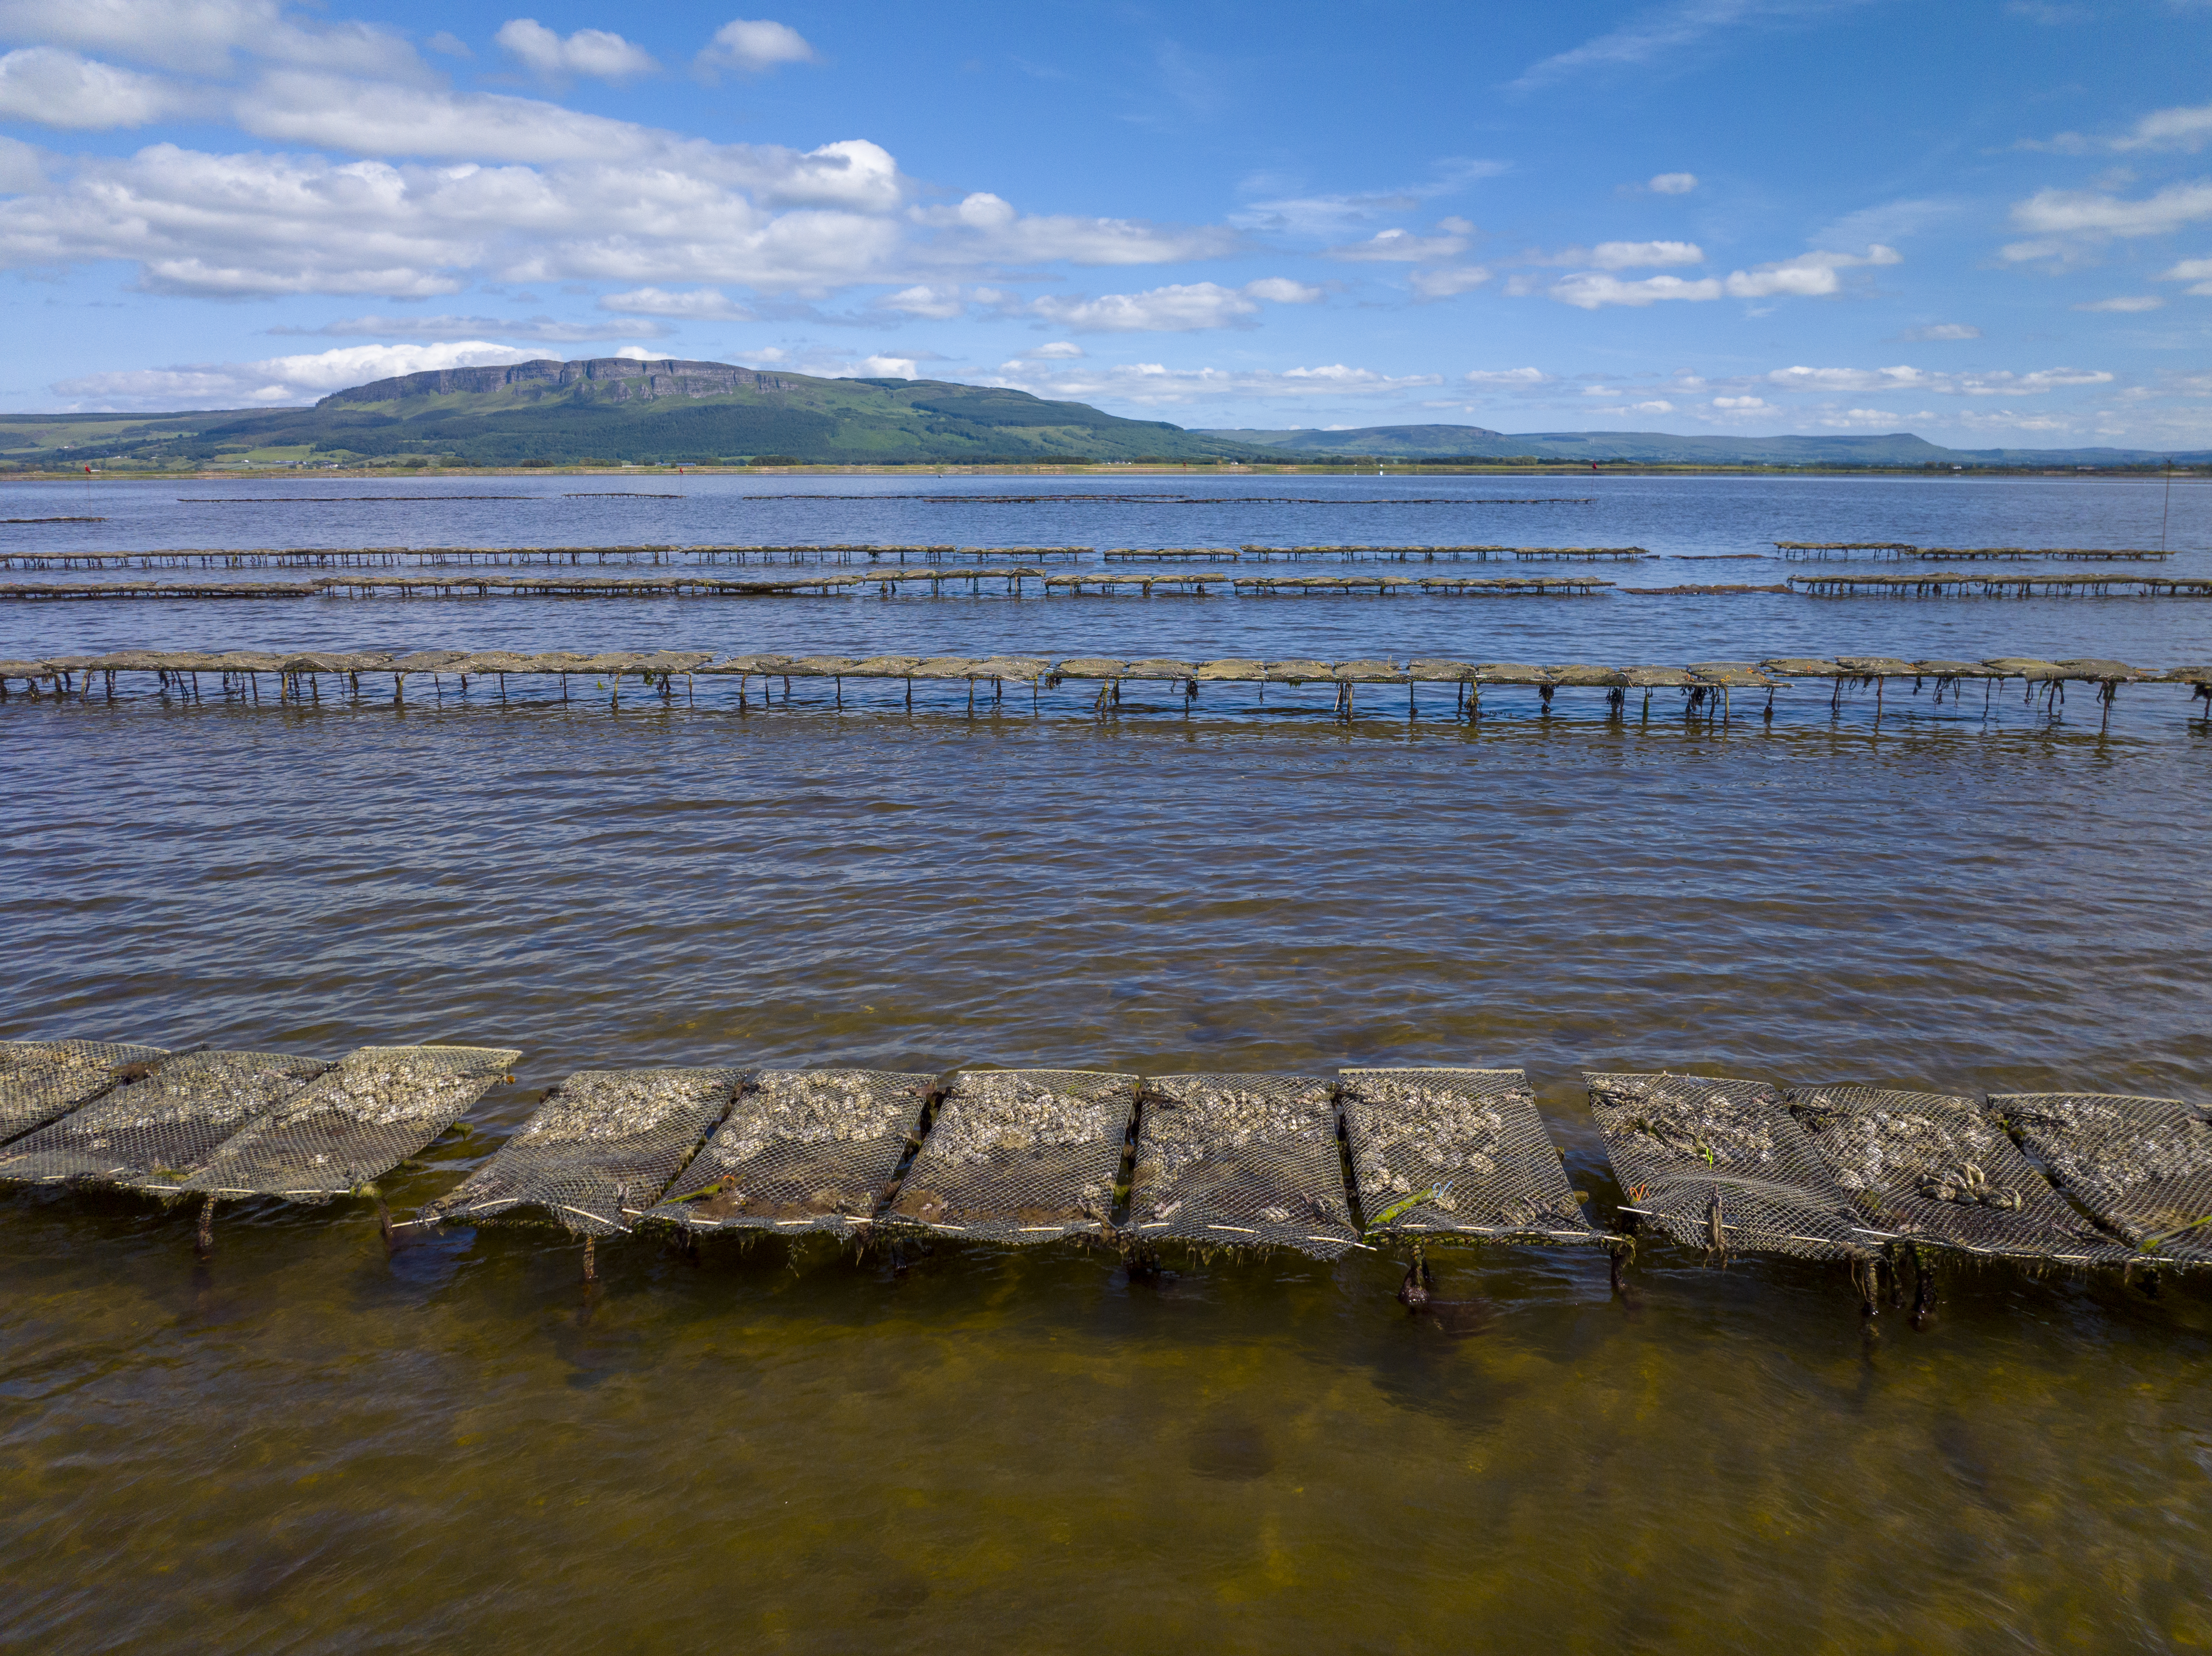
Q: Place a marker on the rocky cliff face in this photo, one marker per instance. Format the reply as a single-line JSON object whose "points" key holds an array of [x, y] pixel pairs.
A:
{"points": [[615, 379]]}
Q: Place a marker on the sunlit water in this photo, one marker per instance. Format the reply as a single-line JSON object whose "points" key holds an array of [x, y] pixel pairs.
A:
{"points": [[307, 1445]]}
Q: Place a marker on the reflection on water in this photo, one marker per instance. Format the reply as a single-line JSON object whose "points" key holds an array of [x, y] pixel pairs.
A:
{"points": [[306, 1443]]}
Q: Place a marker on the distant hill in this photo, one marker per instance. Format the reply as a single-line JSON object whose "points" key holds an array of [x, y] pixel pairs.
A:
{"points": [[621, 408], [1663, 448], [613, 409]]}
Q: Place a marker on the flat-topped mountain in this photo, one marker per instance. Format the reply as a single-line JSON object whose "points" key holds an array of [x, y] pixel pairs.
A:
{"points": [[619, 407]]}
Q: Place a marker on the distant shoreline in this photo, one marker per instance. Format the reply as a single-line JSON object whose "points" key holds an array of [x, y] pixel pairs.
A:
{"points": [[1124, 469]]}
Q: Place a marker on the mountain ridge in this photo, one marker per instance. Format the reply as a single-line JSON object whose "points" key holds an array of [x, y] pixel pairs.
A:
{"points": [[547, 411]]}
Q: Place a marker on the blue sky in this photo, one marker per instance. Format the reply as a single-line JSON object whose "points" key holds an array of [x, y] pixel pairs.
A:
{"points": [[1989, 221]]}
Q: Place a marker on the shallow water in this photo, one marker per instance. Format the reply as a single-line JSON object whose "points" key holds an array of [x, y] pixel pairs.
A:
{"points": [[305, 1443]]}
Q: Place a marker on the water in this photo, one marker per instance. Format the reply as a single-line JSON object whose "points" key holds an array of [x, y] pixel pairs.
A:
{"points": [[307, 1445]]}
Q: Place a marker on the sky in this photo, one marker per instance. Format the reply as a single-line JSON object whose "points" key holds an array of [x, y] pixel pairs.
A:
{"points": [[1987, 222]]}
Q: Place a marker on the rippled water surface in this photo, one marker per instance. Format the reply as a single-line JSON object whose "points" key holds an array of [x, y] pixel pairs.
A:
{"points": [[307, 1445]]}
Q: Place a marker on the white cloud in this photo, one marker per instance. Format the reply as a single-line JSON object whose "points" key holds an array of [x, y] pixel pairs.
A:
{"points": [[2001, 383], [1517, 379], [941, 304], [202, 35], [1181, 307], [1403, 247], [450, 43], [1672, 184], [1155, 385], [59, 89], [2124, 303], [700, 305], [545, 328], [753, 46], [1656, 33], [1449, 281], [888, 367], [1740, 404], [593, 51], [1943, 330], [1335, 214], [1590, 291], [2095, 214], [20, 168], [277, 379], [1281, 290], [985, 227], [2188, 128], [1808, 275], [1632, 255], [1059, 350], [2197, 270]]}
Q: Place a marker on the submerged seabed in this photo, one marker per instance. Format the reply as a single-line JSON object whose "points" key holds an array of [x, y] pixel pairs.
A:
{"points": [[306, 1444]]}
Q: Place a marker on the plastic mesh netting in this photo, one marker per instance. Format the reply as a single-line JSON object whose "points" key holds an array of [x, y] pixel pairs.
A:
{"points": [[155, 1132], [1240, 1161], [1021, 1155], [42, 1079], [352, 1124], [802, 1150], [1934, 1168], [598, 1152], [1457, 1152], [2143, 1165], [1723, 1165]]}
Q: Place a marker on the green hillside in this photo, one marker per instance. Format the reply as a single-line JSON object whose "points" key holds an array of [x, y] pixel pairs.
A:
{"points": [[1663, 448], [616, 409]]}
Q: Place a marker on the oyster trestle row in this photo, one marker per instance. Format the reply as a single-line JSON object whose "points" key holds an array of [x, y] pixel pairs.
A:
{"points": [[1372, 1157]]}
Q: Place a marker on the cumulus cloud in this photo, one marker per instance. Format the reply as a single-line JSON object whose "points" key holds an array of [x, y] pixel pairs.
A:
{"points": [[985, 227], [1281, 290], [1058, 350], [274, 380], [1672, 184], [1943, 330], [1590, 290], [1516, 379], [1740, 404], [2001, 383], [1807, 276], [204, 36], [2094, 214], [54, 88], [1179, 308], [1154, 385], [545, 328], [754, 46], [20, 168], [1634, 255], [2196, 271], [1403, 247], [2124, 302], [593, 52], [889, 368], [1449, 281], [2188, 128], [700, 305]]}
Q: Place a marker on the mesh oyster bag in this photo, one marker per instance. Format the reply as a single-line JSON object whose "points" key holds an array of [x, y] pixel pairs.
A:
{"points": [[1723, 1165], [1457, 1153], [1021, 1155], [155, 1132], [598, 1152], [1240, 1161], [2143, 1165], [1934, 1168], [377, 1108], [802, 1150], [42, 1079]]}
